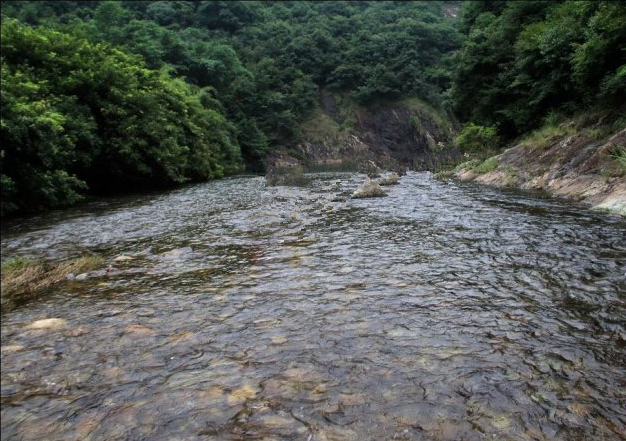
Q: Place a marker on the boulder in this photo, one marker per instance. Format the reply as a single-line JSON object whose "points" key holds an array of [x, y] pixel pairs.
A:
{"points": [[392, 179], [369, 189]]}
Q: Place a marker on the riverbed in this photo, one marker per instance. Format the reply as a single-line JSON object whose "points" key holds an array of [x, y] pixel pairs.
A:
{"points": [[235, 311]]}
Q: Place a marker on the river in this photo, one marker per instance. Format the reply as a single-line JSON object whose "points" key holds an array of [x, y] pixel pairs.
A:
{"points": [[440, 312]]}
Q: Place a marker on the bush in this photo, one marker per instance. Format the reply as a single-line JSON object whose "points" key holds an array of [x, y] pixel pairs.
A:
{"points": [[619, 155], [81, 117], [487, 166], [474, 138]]}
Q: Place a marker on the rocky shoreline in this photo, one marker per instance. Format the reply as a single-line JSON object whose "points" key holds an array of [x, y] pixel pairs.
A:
{"points": [[572, 167]]}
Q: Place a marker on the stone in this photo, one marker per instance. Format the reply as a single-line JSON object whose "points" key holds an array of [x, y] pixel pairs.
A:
{"points": [[11, 348], [175, 254], [51, 323], [122, 258], [139, 330], [392, 179], [369, 189], [246, 392]]}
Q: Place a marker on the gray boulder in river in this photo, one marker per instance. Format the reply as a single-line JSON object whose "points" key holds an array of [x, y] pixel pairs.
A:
{"points": [[369, 189], [392, 179]]}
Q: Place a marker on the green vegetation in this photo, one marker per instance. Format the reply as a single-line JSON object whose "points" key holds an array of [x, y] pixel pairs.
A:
{"points": [[113, 96], [22, 278], [544, 136], [522, 60], [618, 153], [474, 138], [421, 107], [486, 166], [104, 97], [79, 115]]}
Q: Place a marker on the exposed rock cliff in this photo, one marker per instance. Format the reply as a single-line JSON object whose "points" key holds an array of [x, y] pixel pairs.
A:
{"points": [[394, 135]]}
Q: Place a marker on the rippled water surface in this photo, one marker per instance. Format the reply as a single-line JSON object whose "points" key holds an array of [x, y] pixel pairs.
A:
{"points": [[243, 312]]}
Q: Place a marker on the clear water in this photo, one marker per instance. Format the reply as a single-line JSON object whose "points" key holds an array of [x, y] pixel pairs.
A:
{"points": [[437, 313]]}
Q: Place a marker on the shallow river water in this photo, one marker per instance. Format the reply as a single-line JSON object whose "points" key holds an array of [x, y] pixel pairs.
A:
{"points": [[294, 313]]}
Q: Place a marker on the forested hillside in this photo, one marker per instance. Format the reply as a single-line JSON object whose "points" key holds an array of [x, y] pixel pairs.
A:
{"points": [[106, 97], [521, 61]]}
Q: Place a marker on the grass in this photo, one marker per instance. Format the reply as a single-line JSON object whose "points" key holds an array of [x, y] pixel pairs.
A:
{"points": [[486, 166], [595, 124], [543, 137], [619, 155], [320, 128], [617, 167], [512, 175], [22, 277]]}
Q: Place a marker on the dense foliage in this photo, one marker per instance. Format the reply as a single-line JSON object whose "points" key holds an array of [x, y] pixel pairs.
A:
{"points": [[522, 61], [474, 138], [111, 96], [78, 115], [107, 96]]}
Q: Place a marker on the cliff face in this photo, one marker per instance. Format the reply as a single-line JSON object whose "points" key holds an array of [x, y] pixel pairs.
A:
{"points": [[572, 166], [393, 135]]}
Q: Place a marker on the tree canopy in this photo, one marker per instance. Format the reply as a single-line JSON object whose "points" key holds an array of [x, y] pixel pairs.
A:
{"points": [[522, 60], [106, 96]]}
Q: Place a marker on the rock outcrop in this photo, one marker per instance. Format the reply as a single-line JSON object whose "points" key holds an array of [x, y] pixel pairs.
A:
{"points": [[571, 166], [393, 135]]}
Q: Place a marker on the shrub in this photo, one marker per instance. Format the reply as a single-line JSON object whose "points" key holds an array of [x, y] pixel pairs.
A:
{"points": [[619, 155], [475, 138], [487, 166]]}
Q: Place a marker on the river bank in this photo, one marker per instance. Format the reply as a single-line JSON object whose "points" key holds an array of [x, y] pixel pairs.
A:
{"points": [[569, 164]]}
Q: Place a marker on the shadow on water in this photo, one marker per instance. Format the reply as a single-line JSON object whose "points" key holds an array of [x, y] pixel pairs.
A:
{"points": [[235, 310]]}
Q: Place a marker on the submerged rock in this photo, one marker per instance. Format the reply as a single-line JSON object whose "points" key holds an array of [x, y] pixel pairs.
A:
{"points": [[139, 330], [90, 274], [175, 254], [370, 189], [122, 258], [11, 348], [51, 323], [392, 179]]}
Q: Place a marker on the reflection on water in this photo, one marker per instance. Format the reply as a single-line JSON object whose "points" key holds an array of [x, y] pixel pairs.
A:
{"points": [[249, 312]]}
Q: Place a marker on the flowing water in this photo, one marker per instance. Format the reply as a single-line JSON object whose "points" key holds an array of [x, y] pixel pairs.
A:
{"points": [[249, 312]]}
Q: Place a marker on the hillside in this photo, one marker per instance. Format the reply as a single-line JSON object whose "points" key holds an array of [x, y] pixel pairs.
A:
{"points": [[111, 97], [238, 82]]}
